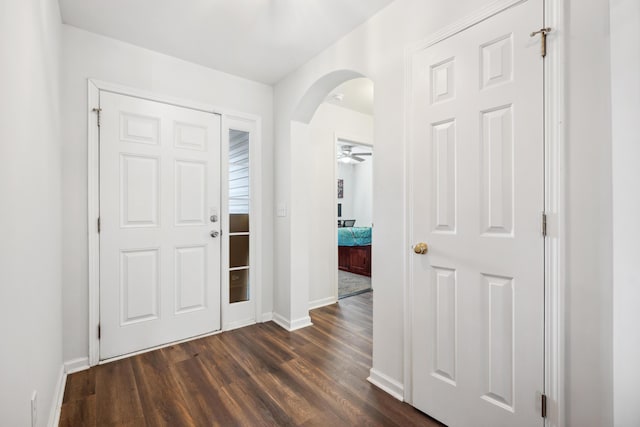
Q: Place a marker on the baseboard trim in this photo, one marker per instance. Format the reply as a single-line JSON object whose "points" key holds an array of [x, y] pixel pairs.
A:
{"points": [[321, 302], [300, 323], [293, 325], [387, 384], [238, 324], [267, 317], [76, 365], [58, 395]]}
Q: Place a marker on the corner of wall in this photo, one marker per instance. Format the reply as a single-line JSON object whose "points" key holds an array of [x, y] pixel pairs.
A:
{"points": [[291, 325], [387, 384], [56, 404]]}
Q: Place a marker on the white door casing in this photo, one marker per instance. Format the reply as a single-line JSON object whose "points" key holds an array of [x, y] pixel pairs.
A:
{"points": [[159, 186], [243, 313], [477, 150]]}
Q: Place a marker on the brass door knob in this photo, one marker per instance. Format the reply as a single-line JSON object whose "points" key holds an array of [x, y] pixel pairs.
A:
{"points": [[420, 248]]}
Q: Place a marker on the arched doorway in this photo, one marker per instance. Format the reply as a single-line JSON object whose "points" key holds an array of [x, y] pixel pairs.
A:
{"points": [[341, 146], [303, 216]]}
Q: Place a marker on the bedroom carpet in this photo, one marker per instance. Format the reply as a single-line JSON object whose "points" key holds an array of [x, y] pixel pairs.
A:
{"points": [[352, 284]]}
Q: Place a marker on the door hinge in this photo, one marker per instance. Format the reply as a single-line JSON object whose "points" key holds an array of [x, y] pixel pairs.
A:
{"points": [[544, 224], [98, 224], [97, 111], [543, 406], [543, 39], [99, 331]]}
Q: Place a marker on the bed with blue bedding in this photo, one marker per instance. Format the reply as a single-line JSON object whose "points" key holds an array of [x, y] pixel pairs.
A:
{"points": [[354, 250], [354, 236]]}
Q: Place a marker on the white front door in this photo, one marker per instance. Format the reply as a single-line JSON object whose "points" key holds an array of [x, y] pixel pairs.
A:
{"points": [[477, 179], [159, 187]]}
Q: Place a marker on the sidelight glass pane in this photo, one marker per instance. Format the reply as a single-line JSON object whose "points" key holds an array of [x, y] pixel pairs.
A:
{"points": [[238, 285], [239, 223], [238, 251], [239, 205], [238, 172]]}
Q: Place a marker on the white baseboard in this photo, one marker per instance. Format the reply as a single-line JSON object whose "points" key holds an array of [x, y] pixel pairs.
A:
{"points": [[322, 302], [58, 394], [281, 321], [238, 324], [76, 365], [293, 325], [267, 317], [300, 323], [385, 383]]}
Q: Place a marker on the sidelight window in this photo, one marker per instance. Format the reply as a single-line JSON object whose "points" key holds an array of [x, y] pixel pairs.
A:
{"points": [[239, 204]]}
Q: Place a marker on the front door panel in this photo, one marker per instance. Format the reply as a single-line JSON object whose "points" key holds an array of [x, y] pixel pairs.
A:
{"points": [[159, 264]]}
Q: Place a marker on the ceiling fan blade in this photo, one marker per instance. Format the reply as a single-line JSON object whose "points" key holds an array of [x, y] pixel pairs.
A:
{"points": [[362, 154], [355, 157]]}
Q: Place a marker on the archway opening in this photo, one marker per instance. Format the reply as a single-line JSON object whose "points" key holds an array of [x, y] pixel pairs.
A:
{"points": [[332, 136]]}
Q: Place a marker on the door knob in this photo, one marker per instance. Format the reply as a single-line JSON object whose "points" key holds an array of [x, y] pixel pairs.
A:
{"points": [[214, 234], [420, 248]]}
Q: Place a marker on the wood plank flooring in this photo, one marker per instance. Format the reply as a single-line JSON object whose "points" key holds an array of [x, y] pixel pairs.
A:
{"points": [[260, 375]]}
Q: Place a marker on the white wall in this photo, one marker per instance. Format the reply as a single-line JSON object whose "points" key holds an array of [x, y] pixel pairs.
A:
{"points": [[376, 49], [588, 266], [345, 173], [625, 78], [363, 193], [87, 55], [357, 202], [328, 121], [30, 207]]}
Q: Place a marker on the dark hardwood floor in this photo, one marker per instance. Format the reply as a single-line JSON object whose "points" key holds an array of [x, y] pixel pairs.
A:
{"points": [[260, 375]]}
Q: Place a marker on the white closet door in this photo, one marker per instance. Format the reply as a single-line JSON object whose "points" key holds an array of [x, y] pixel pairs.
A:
{"points": [[478, 170], [159, 185]]}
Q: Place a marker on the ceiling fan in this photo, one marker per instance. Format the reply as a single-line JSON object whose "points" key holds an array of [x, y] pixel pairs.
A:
{"points": [[346, 155]]}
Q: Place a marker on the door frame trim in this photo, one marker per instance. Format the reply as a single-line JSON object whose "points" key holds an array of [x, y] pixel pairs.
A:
{"points": [[554, 203], [94, 86], [362, 141], [253, 126]]}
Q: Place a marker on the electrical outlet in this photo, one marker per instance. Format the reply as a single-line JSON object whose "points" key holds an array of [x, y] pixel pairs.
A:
{"points": [[34, 409]]}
